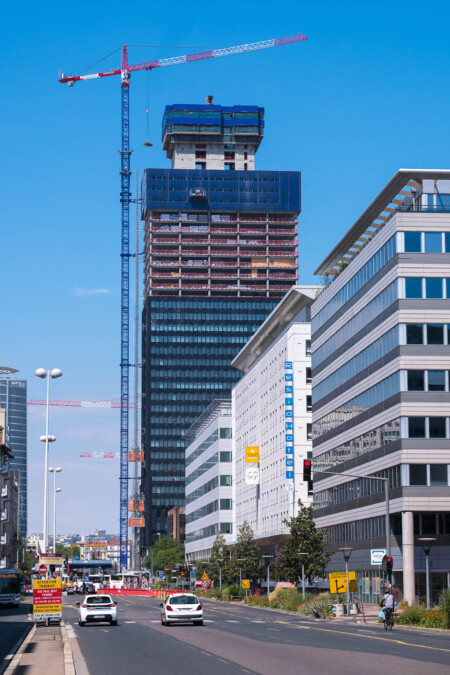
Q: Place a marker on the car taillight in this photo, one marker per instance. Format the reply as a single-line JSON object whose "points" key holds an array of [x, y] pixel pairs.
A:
{"points": [[199, 608], [169, 608], [111, 605], [84, 606]]}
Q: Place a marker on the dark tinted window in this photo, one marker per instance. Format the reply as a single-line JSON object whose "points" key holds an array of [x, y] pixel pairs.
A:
{"points": [[412, 242], [413, 287], [416, 427], [435, 334], [438, 474], [225, 433], [447, 242], [437, 427], [414, 333], [416, 380], [428, 523], [417, 474], [433, 287], [183, 600], [436, 380]]}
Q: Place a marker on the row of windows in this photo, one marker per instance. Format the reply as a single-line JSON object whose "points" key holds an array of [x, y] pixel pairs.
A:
{"points": [[376, 438], [358, 281], [191, 385], [198, 328], [385, 344], [173, 363], [163, 419], [212, 507], [167, 466], [198, 338], [167, 489], [166, 455], [355, 406], [427, 334], [222, 350], [428, 380], [428, 427], [203, 305], [355, 489], [203, 316], [353, 326], [168, 444], [203, 489], [166, 502], [211, 531], [427, 242], [202, 447], [431, 475], [196, 373], [223, 456], [427, 288], [374, 528]]}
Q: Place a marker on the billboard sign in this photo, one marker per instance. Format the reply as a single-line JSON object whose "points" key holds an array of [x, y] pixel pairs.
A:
{"points": [[47, 600], [252, 476], [252, 454]]}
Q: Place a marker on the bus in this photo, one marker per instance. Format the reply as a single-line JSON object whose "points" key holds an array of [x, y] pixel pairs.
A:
{"points": [[128, 579], [9, 587]]}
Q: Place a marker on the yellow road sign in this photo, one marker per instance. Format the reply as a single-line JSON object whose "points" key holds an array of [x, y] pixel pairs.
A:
{"points": [[338, 582], [245, 583], [205, 577]]}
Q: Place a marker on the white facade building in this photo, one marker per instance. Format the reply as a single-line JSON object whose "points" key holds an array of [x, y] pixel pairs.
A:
{"points": [[272, 410], [209, 480]]}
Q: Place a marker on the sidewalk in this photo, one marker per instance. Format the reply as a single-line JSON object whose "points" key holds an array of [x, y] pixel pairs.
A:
{"points": [[46, 651]]}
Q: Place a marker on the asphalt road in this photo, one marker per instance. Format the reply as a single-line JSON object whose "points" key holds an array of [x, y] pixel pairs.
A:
{"points": [[14, 626], [240, 639]]}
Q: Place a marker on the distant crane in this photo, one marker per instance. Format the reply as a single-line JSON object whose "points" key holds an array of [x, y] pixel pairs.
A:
{"points": [[125, 199], [113, 403]]}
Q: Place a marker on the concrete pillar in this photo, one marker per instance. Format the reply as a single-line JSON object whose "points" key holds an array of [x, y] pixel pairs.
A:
{"points": [[409, 572]]}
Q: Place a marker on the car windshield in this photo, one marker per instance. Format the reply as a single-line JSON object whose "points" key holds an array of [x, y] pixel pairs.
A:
{"points": [[98, 600], [183, 600]]}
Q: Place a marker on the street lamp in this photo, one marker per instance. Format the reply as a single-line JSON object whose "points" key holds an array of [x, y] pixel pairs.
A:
{"points": [[302, 558], [347, 551], [426, 543], [240, 560], [268, 572], [55, 490]]}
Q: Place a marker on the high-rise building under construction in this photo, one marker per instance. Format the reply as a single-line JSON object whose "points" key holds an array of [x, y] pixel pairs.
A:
{"points": [[220, 252]]}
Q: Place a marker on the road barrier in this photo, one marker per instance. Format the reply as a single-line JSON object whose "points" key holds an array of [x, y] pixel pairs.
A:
{"points": [[145, 592]]}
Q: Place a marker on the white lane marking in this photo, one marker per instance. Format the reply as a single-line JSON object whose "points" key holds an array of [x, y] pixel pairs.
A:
{"points": [[258, 622], [208, 620], [150, 621], [277, 629], [129, 621], [232, 621]]}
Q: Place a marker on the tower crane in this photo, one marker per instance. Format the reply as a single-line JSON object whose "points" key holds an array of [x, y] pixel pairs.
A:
{"points": [[125, 198]]}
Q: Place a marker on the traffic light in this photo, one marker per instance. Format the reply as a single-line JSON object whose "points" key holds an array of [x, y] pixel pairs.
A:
{"points": [[307, 470], [387, 564]]}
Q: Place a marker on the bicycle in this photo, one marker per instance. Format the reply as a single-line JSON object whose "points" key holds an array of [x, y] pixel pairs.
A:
{"points": [[388, 620]]}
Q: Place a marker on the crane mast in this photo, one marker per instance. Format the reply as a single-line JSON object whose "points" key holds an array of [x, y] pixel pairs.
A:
{"points": [[125, 199]]}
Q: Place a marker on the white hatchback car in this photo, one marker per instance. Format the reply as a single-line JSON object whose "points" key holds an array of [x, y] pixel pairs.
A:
{"points": [[96, 608], [181, 607]]}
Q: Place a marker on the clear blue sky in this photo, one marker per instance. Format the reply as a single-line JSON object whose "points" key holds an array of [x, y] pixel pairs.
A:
{"points": [[368, 93]]}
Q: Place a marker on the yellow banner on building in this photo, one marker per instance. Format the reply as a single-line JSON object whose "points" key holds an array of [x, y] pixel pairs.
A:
{"points": [[252, 453]]}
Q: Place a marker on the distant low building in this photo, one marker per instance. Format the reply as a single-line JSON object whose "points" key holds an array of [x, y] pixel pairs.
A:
{"points": [[176, 523]]}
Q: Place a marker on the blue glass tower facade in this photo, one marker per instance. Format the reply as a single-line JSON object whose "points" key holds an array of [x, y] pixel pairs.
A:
{"points": [[220, 252]]}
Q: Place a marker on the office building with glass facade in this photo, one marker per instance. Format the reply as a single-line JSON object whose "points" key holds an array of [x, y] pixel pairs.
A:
{"points": [[220, 252], [13, 398], [381, 397]]}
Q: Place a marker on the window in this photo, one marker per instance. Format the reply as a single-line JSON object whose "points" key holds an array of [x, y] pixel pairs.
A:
{"points": [[433, 242], [416, 427], [308, 347], [309, 432], [225, 480], [414, 334], [225, 456], [447, 242], [433, 288], [225, 433], [225, 504], [436, 380], [435, 334], [200, 165], [308, 376], [309, 404], [437, 427], [416, 380], [412, 242], [438, 475], [428, 523], [413, 287], [417, 474]]}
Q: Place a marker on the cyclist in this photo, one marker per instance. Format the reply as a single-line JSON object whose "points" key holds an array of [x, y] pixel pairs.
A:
{"points": [[388, 601]]}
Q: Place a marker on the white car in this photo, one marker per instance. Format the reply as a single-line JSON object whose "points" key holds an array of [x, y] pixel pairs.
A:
{"points": [[181, 607], [95, 608]]}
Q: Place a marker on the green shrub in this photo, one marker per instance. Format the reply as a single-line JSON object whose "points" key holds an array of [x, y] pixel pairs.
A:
{"points": [[234, 590], [217, 593], [257, 600], [445, 603], [411, 616], [434, 618]]}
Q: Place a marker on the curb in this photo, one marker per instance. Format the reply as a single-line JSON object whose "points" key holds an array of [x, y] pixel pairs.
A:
{"points": [[20, 646], [307, 617], [69, 667]]}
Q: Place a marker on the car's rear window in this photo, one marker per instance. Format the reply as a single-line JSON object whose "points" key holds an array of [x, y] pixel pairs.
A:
{"points": [[99, 600], [183, 600]]}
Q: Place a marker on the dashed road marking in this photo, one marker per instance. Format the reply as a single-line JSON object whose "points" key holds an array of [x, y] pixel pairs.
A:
{"points": [[129, 621], [232, 621]]}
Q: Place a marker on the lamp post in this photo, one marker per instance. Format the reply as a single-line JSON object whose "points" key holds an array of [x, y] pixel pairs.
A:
{"points": [[302, 558], [55, 490], [268, 572], [42, 373], [240, 560], [347, 551], [426, 543]]}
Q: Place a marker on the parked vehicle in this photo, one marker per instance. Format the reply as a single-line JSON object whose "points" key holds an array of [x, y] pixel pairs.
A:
{"points": [[97, 608], [181, 607], [9, 587]]}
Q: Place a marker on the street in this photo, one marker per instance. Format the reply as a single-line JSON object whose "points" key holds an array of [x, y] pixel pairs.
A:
{"points": [[14, 626], [240, 639]]}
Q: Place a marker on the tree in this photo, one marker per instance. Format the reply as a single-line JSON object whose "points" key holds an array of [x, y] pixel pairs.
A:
{"points": [[246, 555], [220, 558], [166, 551], [303, 538]]}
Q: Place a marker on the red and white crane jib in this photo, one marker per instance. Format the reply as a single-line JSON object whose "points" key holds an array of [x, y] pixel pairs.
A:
{"points": [[188, 58], [81, 404]]}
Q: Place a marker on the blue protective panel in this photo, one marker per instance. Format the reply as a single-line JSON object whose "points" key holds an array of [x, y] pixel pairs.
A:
{"points": [[266, 191]]}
